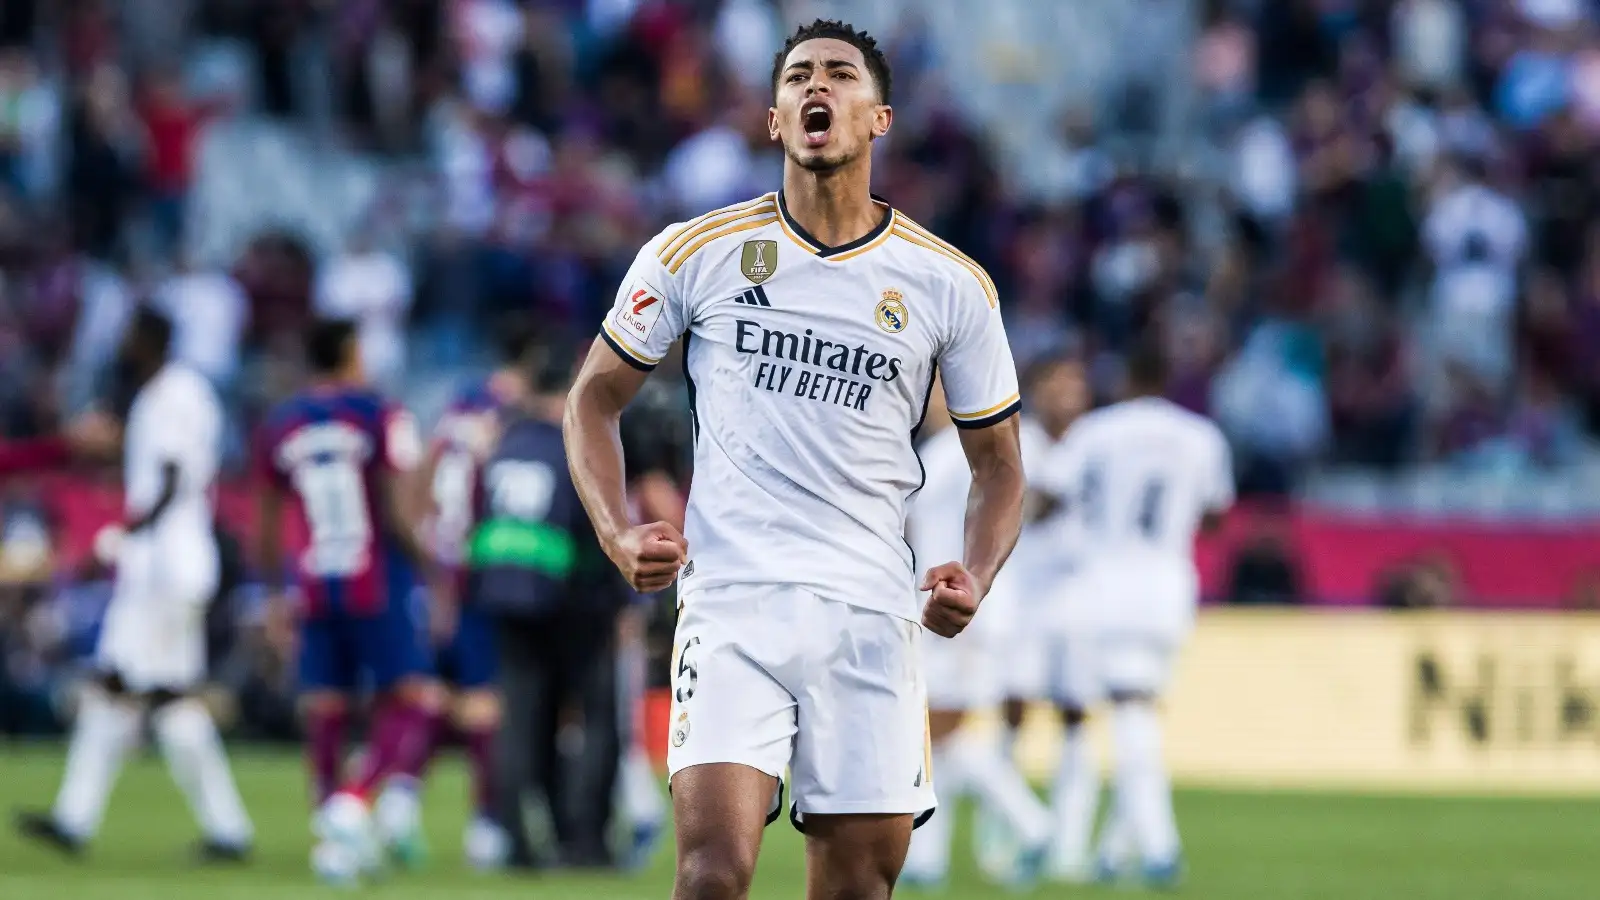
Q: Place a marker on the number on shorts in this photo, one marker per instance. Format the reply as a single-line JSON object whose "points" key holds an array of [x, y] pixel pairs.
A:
{"points": [[688, 675], [335, 500]]}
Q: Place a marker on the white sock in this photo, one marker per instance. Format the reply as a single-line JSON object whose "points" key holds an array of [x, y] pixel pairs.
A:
{"points": [[194, 756], [929, 856], [397, 814], [641, 793], [994, 779], [1116, 837], [1142, 785], [106, 729], [1073, 799]]}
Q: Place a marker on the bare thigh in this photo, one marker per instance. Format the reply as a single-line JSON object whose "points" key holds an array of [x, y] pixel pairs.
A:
{"points": [[855, 857], [720, 810]]}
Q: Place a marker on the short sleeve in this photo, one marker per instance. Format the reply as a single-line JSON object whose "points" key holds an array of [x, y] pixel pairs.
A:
{"points": [[1218, 476], [647, 315], [980, 378]]}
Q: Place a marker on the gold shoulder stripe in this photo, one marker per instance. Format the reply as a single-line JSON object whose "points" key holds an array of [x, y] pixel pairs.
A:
{"points": [[712, 234], [714, 219], [918, 229], [700, 219], [617, 339], [986, 412], [974, 268]]}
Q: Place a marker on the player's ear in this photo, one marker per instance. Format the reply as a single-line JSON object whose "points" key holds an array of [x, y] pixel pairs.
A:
{"points": [[772, 123], [882, 118]]}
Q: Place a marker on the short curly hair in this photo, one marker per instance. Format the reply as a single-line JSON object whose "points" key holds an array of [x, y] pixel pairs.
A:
{"points": [[877, 63]]}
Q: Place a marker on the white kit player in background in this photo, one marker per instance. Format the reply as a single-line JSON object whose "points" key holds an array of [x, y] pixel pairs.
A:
{"points": [[1142, 477], [814, 320], [1038, 603], [152, 652], [964, 675]]}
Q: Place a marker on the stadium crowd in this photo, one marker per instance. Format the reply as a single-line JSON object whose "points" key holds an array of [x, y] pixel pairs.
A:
{"points": [[1368, 230]]}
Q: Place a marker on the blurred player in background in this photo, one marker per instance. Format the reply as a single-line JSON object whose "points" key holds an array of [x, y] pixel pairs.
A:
{"points": [[1038, 608], [963, 675], [343, 460], [463, 638], [651, 431], [152, 647], [1141, 477], [814, 319]]}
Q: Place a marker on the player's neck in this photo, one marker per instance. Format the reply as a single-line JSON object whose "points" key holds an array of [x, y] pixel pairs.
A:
{"points": [[835, 207]]}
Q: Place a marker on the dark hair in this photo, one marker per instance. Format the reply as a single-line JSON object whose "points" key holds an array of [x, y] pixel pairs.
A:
{"points": [[328, 344], [548, 360], [516, 335], [153, 330], [877, 63], [1042, 366], [1147, 366]]}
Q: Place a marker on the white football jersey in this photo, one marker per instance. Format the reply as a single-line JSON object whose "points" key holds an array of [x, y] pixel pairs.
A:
{"points": [[809, 370], [937, 514], [176, 418], [1045, 548], [1139, 476]]}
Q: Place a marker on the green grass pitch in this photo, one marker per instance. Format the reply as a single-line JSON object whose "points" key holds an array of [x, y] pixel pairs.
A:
{"points": [[1240, 846]]}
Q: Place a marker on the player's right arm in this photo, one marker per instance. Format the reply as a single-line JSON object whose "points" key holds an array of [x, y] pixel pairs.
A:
{"points": [[636, 334]]}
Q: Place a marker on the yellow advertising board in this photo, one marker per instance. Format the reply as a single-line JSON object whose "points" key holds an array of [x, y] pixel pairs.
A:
{"points": [[1418, 701]]}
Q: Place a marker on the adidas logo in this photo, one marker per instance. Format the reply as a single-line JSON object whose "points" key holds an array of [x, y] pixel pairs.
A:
{"points": [[756, 296]]}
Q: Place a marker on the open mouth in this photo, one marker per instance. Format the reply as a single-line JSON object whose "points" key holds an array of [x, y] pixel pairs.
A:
{"points": [[817, 120]]}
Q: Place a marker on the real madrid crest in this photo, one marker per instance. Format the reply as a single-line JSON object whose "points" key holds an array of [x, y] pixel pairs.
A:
{"points": [[759, 260], [680, 729], [892, 315]]}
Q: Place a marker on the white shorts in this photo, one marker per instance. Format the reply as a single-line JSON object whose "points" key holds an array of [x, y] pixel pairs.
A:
{"points": [[777, 678], [1099, 667], [154, 633]]}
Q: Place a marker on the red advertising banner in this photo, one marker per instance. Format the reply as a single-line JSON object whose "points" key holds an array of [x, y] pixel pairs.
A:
{"points": [[1341, 559]]}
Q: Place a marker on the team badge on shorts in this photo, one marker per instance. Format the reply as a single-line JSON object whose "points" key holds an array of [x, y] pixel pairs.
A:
{"points": [[759, 261], [892, 315], [680, 731]]}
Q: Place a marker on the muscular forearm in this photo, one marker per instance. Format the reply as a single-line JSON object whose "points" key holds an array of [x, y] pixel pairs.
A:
{"points": [[994, 519], [592, 431]]}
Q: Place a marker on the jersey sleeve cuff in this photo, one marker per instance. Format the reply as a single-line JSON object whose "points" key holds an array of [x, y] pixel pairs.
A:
{"points": [[994, 415], [628, 356]]}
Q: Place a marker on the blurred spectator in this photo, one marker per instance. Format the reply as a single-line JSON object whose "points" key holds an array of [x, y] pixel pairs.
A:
{"points": [[210, 312], [1428, 582], [173, 124], [29, 119], [372, 288], [1476, 238], [102, 175]]}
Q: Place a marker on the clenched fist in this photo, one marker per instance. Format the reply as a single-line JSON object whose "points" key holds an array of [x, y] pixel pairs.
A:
{"points": [[954, 600], [649, 555]]}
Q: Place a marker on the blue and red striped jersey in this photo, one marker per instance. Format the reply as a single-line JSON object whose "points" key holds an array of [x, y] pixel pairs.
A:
{"points": [[330, 451]]}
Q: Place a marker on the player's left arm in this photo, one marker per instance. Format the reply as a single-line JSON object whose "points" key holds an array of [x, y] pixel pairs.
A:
{"points": [[980, 385], [169, 490]]}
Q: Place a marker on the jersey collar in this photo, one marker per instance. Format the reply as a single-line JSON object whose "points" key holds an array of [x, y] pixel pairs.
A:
{"points": [[804, 238]]}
